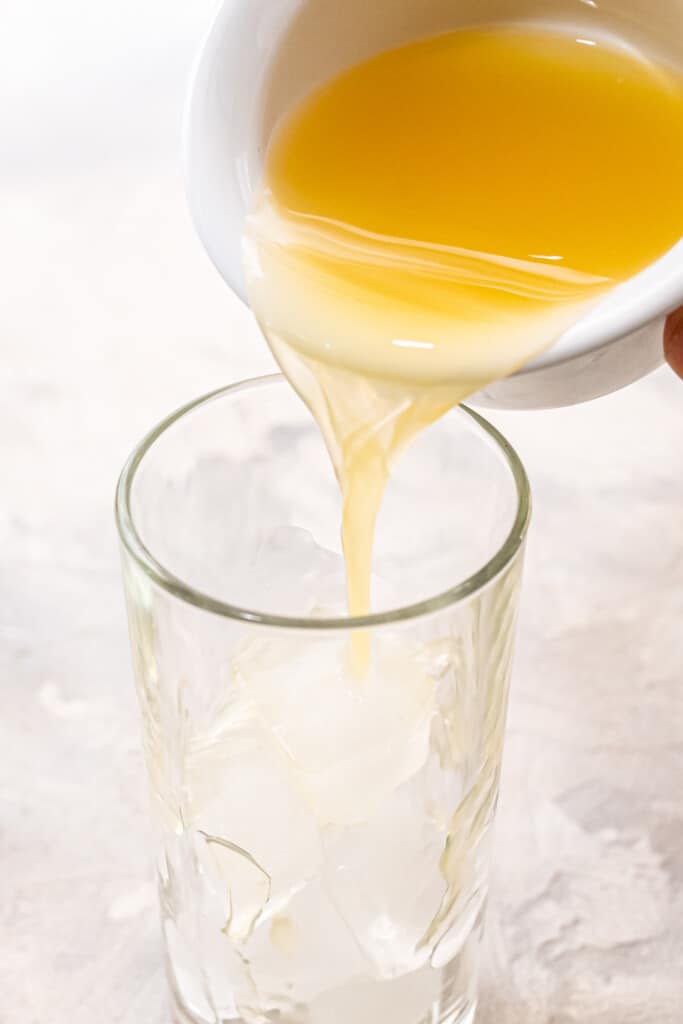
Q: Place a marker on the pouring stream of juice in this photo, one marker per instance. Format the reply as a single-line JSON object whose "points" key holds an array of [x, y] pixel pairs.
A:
{"points": [[433, 218]]}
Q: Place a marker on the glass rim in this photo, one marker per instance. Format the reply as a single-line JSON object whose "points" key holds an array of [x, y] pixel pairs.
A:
{"points": [[172, 584]]}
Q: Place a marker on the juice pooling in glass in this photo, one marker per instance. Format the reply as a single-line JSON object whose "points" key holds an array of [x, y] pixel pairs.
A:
{"points": [[323, 837]]}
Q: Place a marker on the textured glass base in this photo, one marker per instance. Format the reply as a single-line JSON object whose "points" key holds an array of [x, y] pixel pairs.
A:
{"points": [[180, 1015], [446, 995], [432, 994]]}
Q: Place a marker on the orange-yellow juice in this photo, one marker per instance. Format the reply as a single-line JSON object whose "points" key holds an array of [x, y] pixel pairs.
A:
{"points": [[434, 217]]}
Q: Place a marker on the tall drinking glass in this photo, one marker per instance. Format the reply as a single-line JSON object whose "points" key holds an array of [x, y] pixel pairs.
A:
{"points": [[323, 831]]}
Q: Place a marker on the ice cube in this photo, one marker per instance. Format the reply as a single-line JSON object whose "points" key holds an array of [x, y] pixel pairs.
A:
{"points": [[384, 877], [256, 840], [304, 951], [349, 742]]}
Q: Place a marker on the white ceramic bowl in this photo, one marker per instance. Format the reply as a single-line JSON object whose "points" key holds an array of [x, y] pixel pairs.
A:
{"points": [[261, 56]]}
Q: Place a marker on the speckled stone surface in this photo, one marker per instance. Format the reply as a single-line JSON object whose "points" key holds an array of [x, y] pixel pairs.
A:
{"points": [[112, 316]]}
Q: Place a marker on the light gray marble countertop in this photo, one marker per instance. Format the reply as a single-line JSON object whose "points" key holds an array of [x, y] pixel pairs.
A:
{"points": [[112, 316]]}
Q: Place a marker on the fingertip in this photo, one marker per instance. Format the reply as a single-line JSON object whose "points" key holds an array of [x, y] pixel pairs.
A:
{"points": [[673, 342]]}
